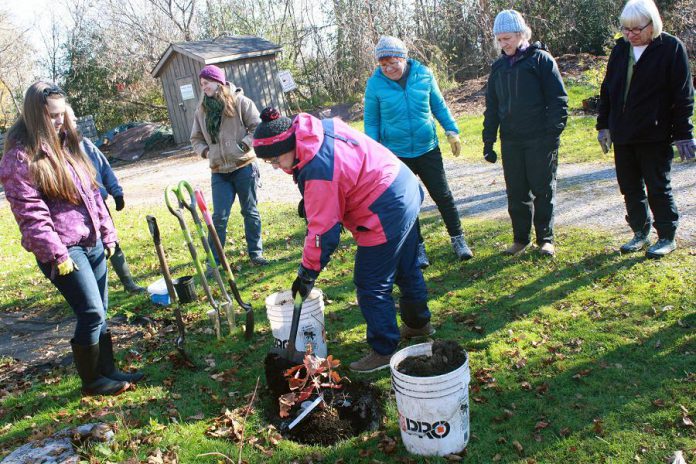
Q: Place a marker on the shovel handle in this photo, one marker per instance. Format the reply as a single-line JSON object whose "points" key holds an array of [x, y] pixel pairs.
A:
{"points": [[203, 206], [294, 325]]}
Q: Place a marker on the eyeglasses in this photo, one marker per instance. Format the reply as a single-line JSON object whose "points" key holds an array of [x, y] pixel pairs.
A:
{"points": [[274, 160], [634, 30], [52, 90]]}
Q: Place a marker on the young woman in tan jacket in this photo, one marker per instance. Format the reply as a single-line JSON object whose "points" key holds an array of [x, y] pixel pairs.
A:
{"points": [[222, 132]]}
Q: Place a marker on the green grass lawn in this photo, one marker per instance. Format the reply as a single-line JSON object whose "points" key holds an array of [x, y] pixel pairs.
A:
{"points": [[586, 358]]}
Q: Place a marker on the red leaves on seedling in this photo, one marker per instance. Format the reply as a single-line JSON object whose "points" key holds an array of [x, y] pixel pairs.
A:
{"points": [[308, 378], [286, 402]]}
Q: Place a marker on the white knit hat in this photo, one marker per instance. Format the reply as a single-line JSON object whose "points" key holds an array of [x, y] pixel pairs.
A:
{"points": [[508, 21]]}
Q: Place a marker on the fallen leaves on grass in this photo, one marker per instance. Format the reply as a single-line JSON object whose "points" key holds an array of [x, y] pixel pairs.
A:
{"points": [[686, 420], [159, 457], [228, 425], [598, 426], [387, 445]]}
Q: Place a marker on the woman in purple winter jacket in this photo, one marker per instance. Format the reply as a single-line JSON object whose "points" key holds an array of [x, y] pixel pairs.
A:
{"points": [[51, 188]]}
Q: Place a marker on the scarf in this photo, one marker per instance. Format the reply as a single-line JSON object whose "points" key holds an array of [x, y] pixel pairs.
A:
{"points": [[213, 116]]}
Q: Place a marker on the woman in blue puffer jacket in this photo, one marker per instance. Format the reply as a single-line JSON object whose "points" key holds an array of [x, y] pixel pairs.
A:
{"points": [[402, 102]]}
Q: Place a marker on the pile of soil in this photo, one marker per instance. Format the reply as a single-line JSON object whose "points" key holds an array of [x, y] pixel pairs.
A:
{"points": [[353, 409], [446, 357]]}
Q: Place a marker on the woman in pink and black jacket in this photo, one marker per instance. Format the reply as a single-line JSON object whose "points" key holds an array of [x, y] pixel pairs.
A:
{"points": [[347, 179], [51, 188]]}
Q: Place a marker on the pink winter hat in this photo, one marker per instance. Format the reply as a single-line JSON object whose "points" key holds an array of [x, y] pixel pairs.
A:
{"points": [[213, 73]]}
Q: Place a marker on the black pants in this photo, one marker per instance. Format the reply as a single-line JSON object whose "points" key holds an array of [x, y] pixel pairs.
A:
{"points": [[647, 165], [431, 171], [530, 168]]}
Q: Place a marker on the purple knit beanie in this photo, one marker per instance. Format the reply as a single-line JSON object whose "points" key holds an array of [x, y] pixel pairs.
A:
{"points": [[213, 73]]}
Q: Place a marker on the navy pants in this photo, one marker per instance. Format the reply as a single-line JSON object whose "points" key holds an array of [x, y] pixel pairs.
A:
{"points": [[431, 171], [647, 165], [85, 290], [242, 184], [530, 169], [377, 269]]}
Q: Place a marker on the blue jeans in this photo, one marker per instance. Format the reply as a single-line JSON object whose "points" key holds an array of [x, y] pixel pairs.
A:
{"points": [[240, 183], [85, 290], [377, 269]]}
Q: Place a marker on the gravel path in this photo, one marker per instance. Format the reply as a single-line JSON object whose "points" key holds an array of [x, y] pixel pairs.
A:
{"points": [[588, 195]]}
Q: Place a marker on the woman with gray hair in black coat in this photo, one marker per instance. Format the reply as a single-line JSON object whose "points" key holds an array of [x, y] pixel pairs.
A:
{"points": [[646, 103], [527, 102]]}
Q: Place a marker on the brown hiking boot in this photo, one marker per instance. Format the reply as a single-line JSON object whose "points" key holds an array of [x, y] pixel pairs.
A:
{"points": [[370, 363], [547, 249], [515, 249], [408, 332]]}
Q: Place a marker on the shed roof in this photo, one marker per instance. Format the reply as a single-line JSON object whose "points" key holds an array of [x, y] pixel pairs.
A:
{"points": [[221, 49]]}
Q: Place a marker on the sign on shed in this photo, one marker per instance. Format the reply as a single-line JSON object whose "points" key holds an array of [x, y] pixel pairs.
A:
{"points": [[287, 83]]}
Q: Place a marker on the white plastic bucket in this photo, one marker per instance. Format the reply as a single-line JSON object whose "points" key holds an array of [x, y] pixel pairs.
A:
{"points": [[433, 411], [158, 292], [279, 307]]}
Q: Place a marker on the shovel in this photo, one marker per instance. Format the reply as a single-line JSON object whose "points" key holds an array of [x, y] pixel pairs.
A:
{"points": [[179, 214], [164, 267], [278, 360], [200, 199], [190, 204]]}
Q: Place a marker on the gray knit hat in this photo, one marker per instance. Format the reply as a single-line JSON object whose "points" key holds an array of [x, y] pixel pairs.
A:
{"points": [[390, 46], [508, 21]]}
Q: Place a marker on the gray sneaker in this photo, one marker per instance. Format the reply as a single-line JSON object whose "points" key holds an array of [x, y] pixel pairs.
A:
{"points": [[461, 249], [639, 241], [661, 248], [421, 257], [370, 363], [259, 261], [408, 332]]}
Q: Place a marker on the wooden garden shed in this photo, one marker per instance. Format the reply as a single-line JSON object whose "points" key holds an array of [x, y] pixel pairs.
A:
{"points": [[249, 62]]}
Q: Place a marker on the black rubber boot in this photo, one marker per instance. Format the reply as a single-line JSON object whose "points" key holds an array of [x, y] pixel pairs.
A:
{"points": [[93, 383], [118, 261], [107, 367]]}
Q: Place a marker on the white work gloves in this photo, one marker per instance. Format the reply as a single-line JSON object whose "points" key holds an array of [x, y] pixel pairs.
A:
{"points": [[604, 139], [686, 149]]}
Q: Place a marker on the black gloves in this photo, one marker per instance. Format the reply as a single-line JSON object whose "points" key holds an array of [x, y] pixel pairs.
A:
{"points": [[303, 285], [300, 209], [120, 204], [488, 153]]}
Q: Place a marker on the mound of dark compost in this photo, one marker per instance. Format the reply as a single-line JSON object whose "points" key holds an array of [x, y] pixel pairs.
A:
{"points": [[447, 356], [357, 408]]}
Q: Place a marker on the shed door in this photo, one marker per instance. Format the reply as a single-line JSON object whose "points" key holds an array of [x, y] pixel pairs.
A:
{"points": [[186, 91]]}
